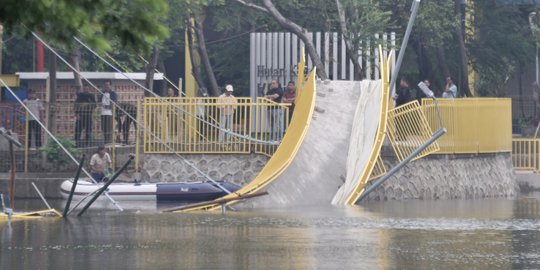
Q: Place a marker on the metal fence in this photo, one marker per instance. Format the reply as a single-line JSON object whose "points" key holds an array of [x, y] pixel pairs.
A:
{"points": [[408, 129], [475, 125], [79, 126], [208, 126], [526, 154]]}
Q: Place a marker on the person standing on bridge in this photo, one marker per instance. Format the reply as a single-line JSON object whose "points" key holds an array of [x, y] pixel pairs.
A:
{"points": [[275, 93], [403, 93], [450, 90], [36, 107], [109, 96], [226, 104], [289, 96], [85, 103]]}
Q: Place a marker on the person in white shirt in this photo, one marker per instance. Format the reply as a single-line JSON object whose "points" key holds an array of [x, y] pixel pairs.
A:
{"points": [[450, 91], [36, 108], [226, 112], [99, 164], [107, 99]]}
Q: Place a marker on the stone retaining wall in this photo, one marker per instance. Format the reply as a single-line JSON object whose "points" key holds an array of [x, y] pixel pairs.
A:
{"points": [[238, 169], [450, 177]]}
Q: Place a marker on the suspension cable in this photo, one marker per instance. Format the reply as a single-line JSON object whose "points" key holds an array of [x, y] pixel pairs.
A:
{"points": [[56, 140], [228, 131], [132, 118]]}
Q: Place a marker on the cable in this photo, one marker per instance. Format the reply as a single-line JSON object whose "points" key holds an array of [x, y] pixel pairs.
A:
{"points": [[228, 131], [55, 139], [131, 117]]}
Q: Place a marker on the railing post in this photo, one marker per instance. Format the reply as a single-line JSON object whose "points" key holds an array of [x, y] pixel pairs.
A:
{"points": [[113, 134], [137, 138], [536, 158]]}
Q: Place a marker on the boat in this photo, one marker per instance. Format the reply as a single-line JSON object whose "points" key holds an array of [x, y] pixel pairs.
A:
{"points": [[188, 192]]}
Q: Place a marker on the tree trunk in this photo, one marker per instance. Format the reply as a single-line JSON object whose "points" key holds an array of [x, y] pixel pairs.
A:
{"points": [[301, 33], [353, 54], [460, 32], [424, 65], [162, 69], [214, 89], [536, 98], [76, 62], [51, 123], [293, 27], [194, 66], [443, 64], [150, 67]]}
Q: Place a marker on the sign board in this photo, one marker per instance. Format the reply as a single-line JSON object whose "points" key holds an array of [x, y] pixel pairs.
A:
{"points": [[10, 80]]}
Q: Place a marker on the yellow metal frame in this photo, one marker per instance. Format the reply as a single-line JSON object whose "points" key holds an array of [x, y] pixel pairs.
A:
{"points": [[381, 129], [379, 169], [408, 129], [287, 150], [33, 214], [526, 154], [475, 125], [174, 126]]}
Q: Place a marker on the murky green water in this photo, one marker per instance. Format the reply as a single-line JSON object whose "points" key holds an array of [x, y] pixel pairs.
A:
{"points": [[472, 234]]}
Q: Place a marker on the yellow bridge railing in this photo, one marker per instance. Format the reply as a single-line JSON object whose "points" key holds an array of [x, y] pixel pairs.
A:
{"points": [[526, 154], [210, 125], [408, 129], [475, 125]]}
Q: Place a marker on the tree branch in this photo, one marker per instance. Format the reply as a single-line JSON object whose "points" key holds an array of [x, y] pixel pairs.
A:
{"points": [[353, 55], [251, 5]]}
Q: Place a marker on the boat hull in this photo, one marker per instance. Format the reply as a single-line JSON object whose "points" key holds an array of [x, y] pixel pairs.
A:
{"points": [[178, 191]]}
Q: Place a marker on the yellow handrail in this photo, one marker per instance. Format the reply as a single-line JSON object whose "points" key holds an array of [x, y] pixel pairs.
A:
{"points": [[475, 125], [288, 148], [408, 129], [212, 125], [526, 154]]}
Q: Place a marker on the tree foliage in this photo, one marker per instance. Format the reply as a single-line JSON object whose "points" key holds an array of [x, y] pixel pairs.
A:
{"points": [[136, 24], [501, 43]]}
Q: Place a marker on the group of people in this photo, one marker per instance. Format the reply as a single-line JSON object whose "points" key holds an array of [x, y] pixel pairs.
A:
{"points": [[227, 108], [405, 93], [278, 95], [85, 103]]}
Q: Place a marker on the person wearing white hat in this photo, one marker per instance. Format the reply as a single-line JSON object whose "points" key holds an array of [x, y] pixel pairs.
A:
{"points": [[227, 107]]}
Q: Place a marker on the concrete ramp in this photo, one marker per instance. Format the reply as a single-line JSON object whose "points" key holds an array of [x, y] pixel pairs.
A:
{"points": [[319, 168], [310, 165]]}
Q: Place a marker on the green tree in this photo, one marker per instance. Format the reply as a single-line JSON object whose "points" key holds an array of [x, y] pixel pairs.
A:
{"points": [[360, 21], [500, 46], [135, 23]]}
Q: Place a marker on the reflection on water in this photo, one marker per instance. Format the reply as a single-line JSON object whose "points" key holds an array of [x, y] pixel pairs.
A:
{"points": [[480, 234]]}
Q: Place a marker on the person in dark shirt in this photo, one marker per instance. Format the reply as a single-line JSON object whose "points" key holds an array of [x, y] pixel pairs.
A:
{"points": [[85, 103], [275, 93], [403, 93], [124, 121]]}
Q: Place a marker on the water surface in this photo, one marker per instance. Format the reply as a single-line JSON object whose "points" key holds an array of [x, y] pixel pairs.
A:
{"points": [[469, 234]]}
